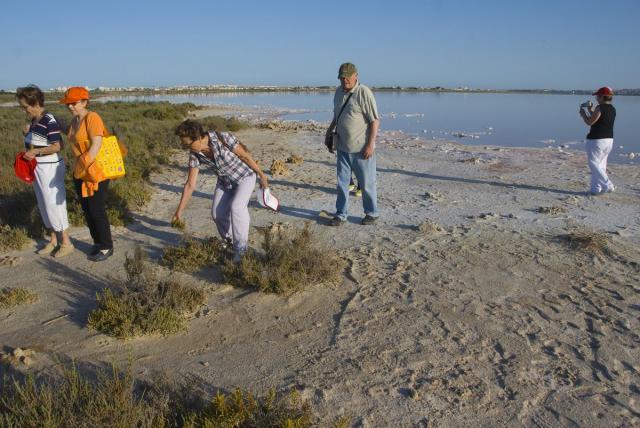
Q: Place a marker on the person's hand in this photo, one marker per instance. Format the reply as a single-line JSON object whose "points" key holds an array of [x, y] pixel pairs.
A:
{"points": [[176, 217], [25, 128], [30, 155], [264, 183], [368, 151]]}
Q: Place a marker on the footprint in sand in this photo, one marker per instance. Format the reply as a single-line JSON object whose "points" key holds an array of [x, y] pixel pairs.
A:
{"points": [[9, 261]]}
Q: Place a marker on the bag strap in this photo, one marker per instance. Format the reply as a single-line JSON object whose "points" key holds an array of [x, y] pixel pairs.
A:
{"points": [[342, 109]]}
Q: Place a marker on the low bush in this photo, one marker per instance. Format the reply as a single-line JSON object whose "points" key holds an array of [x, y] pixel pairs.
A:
{"points": [[144, 303], [12, 238], [289, 260], [584, 240], [193, 254], [145, 128], [10, 297], [114, 400]]}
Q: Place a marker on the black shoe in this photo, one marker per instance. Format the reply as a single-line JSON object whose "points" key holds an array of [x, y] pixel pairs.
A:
{"points": [[367, 220], [336, 221], [100, 255]]}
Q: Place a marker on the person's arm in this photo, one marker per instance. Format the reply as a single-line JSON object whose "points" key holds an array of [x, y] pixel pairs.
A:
{"points": [[187, 191], [370, 147], [591, 117], [41, 151], [245, 157]]}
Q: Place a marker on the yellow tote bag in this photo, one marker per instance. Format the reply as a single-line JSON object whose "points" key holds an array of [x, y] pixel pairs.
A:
{"points": [[110, 158]]}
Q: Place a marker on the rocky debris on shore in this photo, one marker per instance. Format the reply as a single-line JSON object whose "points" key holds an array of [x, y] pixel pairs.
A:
{"points": [[553, 210], [292, 126], [434, 196], [18, 357]]}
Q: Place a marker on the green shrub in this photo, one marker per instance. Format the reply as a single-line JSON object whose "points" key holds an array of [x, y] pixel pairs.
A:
{"points": [[144, 303], [12, 238], [193, 254], [289, 260], [145, 128], [114, 400], [10, 297], [72, 400]]}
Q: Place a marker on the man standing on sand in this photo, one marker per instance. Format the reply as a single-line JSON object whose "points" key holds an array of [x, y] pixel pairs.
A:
{"points": [[356, 123]]}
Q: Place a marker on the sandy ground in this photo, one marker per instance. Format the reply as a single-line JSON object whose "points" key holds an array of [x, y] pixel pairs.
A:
{"points": [[487, 320]]}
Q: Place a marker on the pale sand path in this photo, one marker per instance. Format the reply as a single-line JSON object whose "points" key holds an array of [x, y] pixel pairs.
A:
{"points": [[490, 322]]}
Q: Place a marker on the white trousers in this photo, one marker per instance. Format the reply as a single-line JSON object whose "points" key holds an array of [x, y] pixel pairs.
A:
{"points": [[598, 152], [230, 211], [51, 195]]}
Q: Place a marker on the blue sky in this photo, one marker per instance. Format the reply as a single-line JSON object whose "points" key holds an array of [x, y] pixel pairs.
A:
{"points": [[477, 43]]}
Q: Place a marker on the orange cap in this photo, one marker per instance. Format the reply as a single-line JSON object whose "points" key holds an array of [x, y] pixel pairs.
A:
{"points": [[74, 95]]}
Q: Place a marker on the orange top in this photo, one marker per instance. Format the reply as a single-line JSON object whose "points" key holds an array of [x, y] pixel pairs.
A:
{"points": [[85, 168]]}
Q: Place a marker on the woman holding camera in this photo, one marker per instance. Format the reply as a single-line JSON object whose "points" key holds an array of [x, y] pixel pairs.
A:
{"points": [[600, 138]]}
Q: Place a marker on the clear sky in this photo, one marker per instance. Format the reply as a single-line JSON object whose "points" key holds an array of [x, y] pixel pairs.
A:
{"points": [[560, 44]]}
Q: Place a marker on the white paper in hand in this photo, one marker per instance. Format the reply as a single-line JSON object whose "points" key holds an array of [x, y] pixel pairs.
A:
{"points": [[267, 200]]}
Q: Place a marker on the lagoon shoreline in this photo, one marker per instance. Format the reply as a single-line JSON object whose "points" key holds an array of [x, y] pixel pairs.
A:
{"points": [[465, 305]]}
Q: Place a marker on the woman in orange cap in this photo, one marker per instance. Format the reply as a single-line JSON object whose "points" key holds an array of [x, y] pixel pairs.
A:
{"points": [[86, 132], [43, 142], [600, 138]]}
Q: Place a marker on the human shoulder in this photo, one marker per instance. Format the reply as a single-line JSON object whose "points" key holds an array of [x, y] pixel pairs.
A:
{"points": [[364, 90]]}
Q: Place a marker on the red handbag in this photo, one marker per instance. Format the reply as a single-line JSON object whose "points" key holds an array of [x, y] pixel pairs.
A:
{"points": [[25, 169]]}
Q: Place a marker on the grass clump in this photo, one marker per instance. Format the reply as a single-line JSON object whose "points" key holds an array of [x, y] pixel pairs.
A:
{"points": [[289, 260], [243, 409], [179, 224], [144, 304], [587, 241], [72, 400], [10, 297], [193, 254], [111, 398], [12, 238]]}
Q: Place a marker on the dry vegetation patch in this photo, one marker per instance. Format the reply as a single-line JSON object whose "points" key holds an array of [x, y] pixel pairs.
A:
{"points": [[553, 210], [10, 297], [295, 160], [144, 303], [114, 399], [279, 168], [193, 254], [289, 260], [12, 238], [588, 241]]}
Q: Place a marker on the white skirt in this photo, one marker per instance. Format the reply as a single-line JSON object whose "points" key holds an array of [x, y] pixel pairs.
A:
{"points": [[51, 195]]}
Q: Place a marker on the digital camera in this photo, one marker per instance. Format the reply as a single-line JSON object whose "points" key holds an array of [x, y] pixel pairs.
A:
{"points": [[586, 105]]}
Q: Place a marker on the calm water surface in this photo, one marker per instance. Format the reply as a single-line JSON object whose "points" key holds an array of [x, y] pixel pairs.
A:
{"points": [[510, 120]]}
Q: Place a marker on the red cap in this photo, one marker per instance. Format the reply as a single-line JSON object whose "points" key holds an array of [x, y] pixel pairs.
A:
{"points": [[24, 169], [605, 91], [75, 94]]}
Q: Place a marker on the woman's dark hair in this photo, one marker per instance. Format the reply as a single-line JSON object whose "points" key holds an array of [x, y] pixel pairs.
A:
{"points": [[31, 94], [190, 128], [607, 98]]}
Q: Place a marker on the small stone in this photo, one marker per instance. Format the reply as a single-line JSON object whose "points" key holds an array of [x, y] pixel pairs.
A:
{"points": [[205, 363]]}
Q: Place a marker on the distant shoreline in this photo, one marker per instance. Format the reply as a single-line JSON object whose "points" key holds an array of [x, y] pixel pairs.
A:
{"points": [[133, 91]]}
